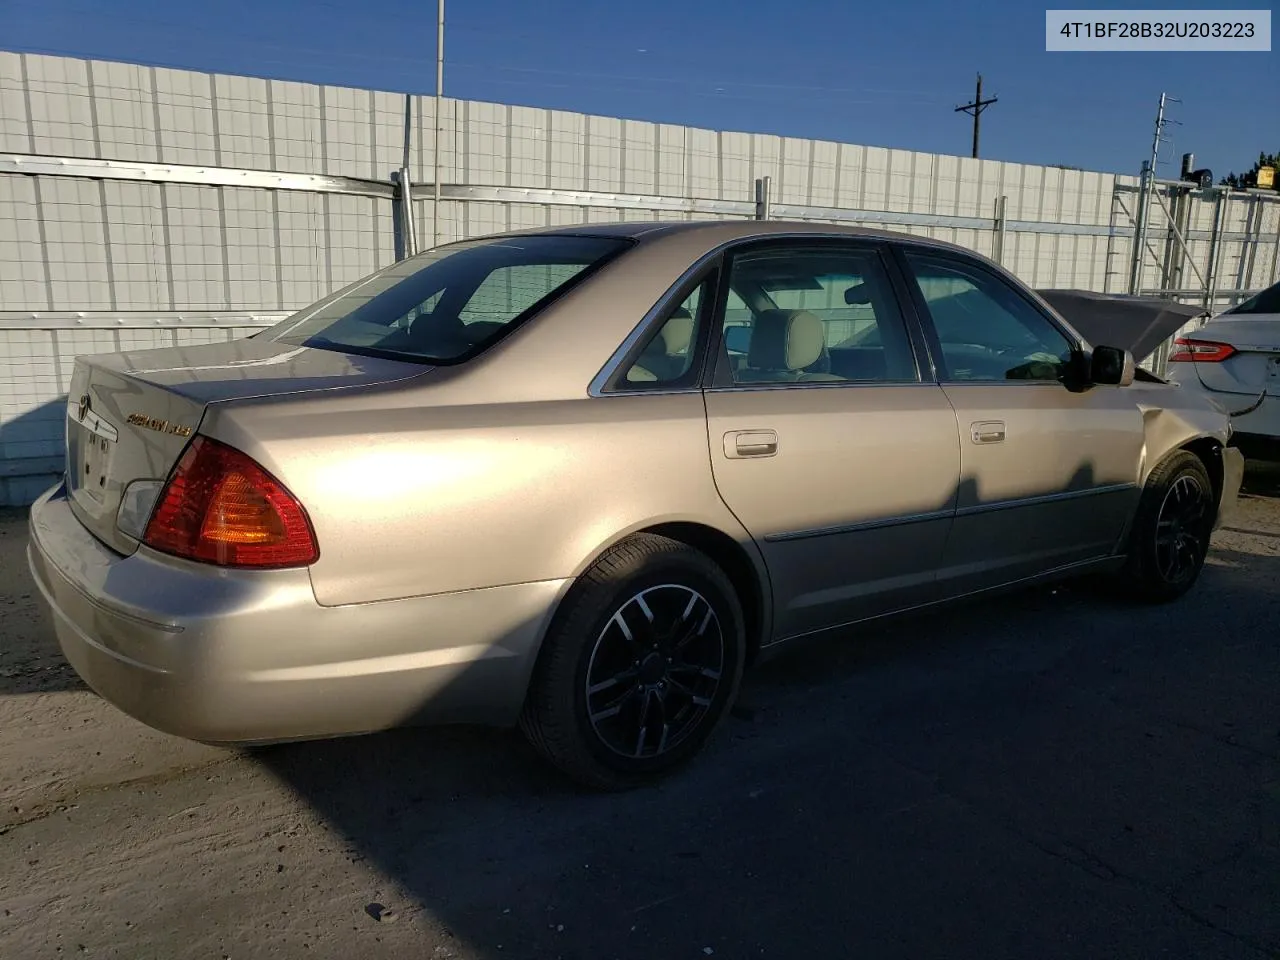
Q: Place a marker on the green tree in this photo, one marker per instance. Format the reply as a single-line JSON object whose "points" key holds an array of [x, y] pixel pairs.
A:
{"points": [[1239, 181]]}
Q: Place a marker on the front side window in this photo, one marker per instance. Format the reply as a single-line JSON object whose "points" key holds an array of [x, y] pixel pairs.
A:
{"points": [[449, 303], [809, 315], [986, 330]]}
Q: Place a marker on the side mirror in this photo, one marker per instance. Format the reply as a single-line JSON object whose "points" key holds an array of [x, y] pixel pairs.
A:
{"points": [[1111, 365]]}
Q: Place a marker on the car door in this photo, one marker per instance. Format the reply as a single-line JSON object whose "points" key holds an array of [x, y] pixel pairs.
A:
{"points": [[826, 442], [1049, 470]]}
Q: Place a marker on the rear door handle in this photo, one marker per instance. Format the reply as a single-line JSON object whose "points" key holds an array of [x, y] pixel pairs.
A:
{"points": [[987, 431], [739, 444]]}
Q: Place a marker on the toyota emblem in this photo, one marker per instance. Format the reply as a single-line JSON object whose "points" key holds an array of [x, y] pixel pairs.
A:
{"points": [[83, 408]]}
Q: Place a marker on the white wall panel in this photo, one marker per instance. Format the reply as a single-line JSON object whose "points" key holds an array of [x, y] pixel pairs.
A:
{"points": [[387, 123], [567, 153], [795, 158], [22, 258], [735, 163], [346, 142], [253, 280], [527, 146], [603, 139], [75, 246], [486, 131], [673, 161], [766, 160], [124, 106], [14, 134], [184, 113], [640, 157], [61, 118], [196, 248], [303, 231], [242, 123], [297, 130], [138, 249], [704, 166]]}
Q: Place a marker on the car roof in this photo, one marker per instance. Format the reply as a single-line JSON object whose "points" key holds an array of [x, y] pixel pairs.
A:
{"points": [[645, 231]]}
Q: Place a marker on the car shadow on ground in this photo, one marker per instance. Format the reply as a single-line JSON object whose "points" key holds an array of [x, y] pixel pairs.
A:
{"points": [[975, 778]]}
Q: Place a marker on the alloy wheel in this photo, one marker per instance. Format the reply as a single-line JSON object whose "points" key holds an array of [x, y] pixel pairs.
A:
{"points": [[654, 671], [1181, 529]]}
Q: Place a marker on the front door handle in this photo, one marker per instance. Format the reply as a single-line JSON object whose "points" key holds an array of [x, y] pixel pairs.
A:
{"points": [[987, 431], [739, 444]]}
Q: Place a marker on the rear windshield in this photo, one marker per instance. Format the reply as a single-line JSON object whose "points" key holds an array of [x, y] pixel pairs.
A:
{"points": [[450, 303], [1268, 301]]}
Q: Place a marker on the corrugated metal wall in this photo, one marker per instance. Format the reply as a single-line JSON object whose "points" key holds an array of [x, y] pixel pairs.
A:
{"points": [[162, 246]]}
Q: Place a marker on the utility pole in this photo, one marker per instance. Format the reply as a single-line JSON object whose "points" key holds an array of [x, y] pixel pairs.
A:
{"points": [[1146, 185], [435, 179], [975, 110]]}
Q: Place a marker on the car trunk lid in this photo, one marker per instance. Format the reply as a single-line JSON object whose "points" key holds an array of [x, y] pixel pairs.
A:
{"points": [[130, 415]]}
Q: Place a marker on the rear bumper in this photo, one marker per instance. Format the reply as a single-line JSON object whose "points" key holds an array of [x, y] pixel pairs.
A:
{"points": [[1262, 423], [234, 657]]}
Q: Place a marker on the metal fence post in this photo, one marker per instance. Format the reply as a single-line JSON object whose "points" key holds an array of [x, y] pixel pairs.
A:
{"points": [[997, 238], [407, 234], [406, 231], [1215, 247], [1275, 256], [1140, 229], [762, 198], [1252, 240], [435, 148], [1171, 264]]}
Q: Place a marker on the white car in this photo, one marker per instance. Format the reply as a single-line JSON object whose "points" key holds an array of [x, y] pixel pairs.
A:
{"points": [[1235, 358]]}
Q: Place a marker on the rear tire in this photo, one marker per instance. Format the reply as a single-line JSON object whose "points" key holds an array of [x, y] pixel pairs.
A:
{"points": [[1171, 529], [640, 666]]}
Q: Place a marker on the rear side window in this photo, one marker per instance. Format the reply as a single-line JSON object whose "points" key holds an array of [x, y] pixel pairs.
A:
{"points": [[450, 303], [667, 358]]}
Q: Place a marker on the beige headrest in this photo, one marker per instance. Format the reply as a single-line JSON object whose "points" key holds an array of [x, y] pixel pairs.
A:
{"points": [[677, 334], [785, 340]]}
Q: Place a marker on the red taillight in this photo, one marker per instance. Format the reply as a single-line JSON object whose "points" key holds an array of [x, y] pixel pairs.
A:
{"points": [[220, 507], [1187, 349]]}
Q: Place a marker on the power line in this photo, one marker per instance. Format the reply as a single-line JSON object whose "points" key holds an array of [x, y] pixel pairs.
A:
{"points": [[975, 110], [402, 66]]}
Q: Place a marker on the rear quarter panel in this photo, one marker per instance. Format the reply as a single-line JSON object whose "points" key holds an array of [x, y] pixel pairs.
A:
{"points": [[410, 497]]}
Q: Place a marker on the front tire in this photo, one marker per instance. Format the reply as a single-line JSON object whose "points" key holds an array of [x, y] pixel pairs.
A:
{"points": [[640, 666], [1170, 536]]}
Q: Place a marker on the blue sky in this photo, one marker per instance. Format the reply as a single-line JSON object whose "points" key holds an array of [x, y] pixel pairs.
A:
{"points": [[884, 73]]}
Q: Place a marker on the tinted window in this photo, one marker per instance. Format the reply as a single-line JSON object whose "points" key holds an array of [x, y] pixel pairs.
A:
{"points": [[986, 330], [667, 357], [1268, 301], [449, 302], [813, 315]]}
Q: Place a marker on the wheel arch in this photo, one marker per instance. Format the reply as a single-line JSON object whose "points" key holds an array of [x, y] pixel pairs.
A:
{"points": [[1208, 450], [748, 576], [735, 554]]}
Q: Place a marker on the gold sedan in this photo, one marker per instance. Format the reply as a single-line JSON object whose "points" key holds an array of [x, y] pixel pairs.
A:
{"points": [[578, 479]]}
